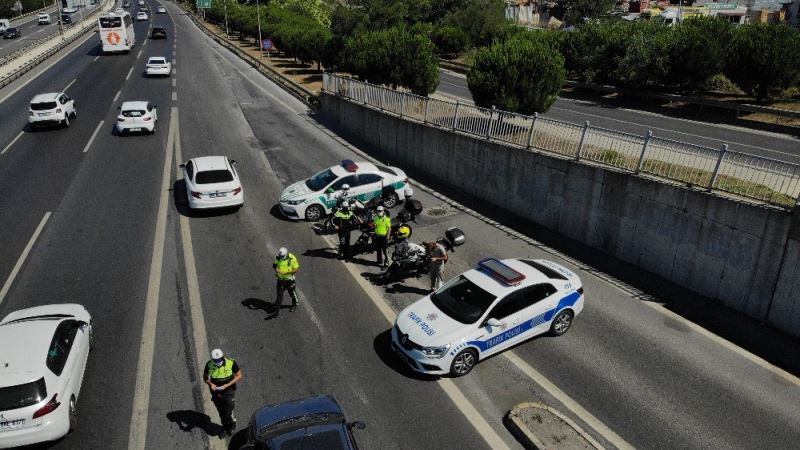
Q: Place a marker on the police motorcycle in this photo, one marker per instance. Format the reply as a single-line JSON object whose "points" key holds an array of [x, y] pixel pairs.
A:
{"points": [[409, 259]]}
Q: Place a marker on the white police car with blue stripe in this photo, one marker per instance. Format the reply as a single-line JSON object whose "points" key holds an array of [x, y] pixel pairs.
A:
{"points": [[485, 311]]}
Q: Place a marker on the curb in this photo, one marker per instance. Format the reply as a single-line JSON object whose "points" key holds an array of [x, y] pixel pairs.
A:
{"points": [[530, 440]]}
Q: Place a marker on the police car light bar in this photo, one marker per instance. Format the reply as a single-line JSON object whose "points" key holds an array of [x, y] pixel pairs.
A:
{"points": [[500, 271], [349, 165]]}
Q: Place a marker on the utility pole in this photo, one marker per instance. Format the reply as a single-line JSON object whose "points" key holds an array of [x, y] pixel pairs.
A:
{"points": [[260, 50], [227, 33]]}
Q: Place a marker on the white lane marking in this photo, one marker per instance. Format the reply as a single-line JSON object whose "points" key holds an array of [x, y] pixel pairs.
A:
{"points": [[195, 303], [23, 256], [727, 344], [77, 44], [96, 58], [137, 435], [91, 139], [139, 54], [12, 142], [173, 61], [174, 71], [129, 73], [70, 84], [569, 403], [174, 96], [116, 96], [174, 82], [145, 43], [472, 414]]}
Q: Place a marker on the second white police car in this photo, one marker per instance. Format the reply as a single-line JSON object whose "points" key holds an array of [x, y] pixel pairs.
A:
{"points": [[484, 311]]}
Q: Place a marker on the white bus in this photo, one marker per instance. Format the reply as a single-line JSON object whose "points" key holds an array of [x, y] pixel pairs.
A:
{"points": [[116, 32]]}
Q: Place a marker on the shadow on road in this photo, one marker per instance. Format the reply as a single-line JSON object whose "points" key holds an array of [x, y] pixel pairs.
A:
{"points": [[382, 344], [259, 304], [188, 420]]}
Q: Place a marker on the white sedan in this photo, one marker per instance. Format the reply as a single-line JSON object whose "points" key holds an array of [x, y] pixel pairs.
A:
{"points": [[161, 10], [484, 311], [158, 65], [137, 117], [141, 15], [212, 182], [41, 372]]}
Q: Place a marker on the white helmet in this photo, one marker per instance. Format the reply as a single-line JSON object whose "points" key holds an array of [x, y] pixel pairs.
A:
{"points": [[216, 354], [379, 209], [345, 205], [282, 253], [345, 187]]}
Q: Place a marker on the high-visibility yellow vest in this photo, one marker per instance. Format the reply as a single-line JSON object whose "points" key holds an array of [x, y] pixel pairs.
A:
{"points": [[286, 267], [223, 373], [347, 215], [382, 225]]}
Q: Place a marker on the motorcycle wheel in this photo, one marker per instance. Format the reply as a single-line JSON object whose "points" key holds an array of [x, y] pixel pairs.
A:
{"points": [[327, 225]]}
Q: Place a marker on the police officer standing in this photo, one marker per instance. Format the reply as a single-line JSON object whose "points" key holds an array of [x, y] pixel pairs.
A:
{"points": [[221, 375], [383, 224], [343, 221], [285, 266]]}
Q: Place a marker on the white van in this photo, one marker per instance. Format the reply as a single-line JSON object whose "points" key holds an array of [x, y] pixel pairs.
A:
{"points": [[4, 25]]}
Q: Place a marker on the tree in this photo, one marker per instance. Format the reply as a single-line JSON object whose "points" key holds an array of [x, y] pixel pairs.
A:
{"points": [[697, 52], [449, 41], [593, 49], [763, 59], [520, 75], [646, 58], [574, 11], [483, 21]]}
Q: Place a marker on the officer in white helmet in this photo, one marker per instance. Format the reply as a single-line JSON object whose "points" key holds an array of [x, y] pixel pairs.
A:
{"points": [[221, 375], [285, 266], [343, 220], [343, 196]]}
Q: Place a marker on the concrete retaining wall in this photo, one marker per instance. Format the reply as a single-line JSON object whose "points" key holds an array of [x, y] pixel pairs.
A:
{"points": [[738, 253]]}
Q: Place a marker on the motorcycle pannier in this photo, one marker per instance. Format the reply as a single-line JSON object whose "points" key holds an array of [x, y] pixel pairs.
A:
{"points": [[455, 236], [413, 206]]}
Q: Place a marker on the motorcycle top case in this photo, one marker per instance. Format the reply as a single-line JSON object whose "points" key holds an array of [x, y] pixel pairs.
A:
{"points": [[413, 206], [455, 236]]}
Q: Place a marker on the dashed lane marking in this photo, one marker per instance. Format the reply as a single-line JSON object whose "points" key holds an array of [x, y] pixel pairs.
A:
{"points": [[91, 139], [23, 256], [137, 435], [12, 142], [139, 54], [127, 77], [96, 58], [70, 84], [116, 96], [174, 96], [174, 82]]}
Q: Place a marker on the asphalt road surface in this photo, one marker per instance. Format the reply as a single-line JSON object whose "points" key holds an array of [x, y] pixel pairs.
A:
{"points": [[32, 31], [165, 286], [781, 146]]}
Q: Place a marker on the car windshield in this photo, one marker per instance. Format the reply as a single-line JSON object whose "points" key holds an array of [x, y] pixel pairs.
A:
{"points": [[23, 395], [213, 176], [156, 61], [320, 180], [110, 22], [42, 106], [462, 300], [133, 113]]}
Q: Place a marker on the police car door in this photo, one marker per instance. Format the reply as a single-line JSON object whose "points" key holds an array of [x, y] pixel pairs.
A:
{"points": [[540, 304], [369, 186], [508, 312]]}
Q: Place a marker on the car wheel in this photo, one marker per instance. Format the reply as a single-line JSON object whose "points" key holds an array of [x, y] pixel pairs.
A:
{"points": [[66, 120], [561, 323], [74, 113], [73, 414], [314, 213], [391, 200], [463, 362]]}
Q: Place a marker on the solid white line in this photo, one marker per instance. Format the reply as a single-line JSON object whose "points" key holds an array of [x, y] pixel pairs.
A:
{"points": [[137, 435], [96, 58], [23, 256], [77, 44], [116, 97], [70, 84], [466, 407], [91, 139], [195, 303], [12, 142], [569, 403], [129, 73]]}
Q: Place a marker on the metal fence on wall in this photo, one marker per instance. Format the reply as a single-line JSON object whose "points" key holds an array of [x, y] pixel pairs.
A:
{"points": [[756, 177]]}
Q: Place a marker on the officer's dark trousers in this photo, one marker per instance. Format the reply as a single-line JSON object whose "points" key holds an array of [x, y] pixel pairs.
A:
{"points": [[224, 402], [285, 285], [381, 242], [344, 244]]}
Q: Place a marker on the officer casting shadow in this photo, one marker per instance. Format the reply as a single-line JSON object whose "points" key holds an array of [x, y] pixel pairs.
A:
{"points": [[399, 288], [188, 420], [324, 252], [257, 303], [382, 344]]}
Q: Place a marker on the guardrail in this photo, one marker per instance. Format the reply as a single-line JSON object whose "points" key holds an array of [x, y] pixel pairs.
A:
{"points": [[304, 95], [14, 55], [713, 169], [737, 107], [30, 13]]}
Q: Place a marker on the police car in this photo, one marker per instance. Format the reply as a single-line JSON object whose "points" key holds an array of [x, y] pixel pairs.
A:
{"points": [[485, 311], [316, 197]]}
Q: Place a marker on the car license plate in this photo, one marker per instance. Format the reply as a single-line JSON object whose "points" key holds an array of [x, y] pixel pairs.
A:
{"points": [[216, 194], [7, 425], [134, 129]]}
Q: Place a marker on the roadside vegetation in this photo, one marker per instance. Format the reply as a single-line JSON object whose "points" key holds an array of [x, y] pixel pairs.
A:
{"points": [[7, 11], [397, 43]]}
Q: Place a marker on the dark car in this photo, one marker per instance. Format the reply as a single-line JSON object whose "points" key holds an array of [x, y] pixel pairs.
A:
{"points": [[158, 33], [66, 19], [314, 422], [12, 33]]}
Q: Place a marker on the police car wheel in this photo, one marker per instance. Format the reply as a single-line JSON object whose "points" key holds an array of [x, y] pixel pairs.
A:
{"points": [[463, 362], [314, 213], [391, 200], [561, 323]]}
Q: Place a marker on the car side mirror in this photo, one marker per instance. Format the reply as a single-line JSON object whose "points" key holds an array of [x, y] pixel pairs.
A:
{"points": [[357, 425], [182, 166], [492, 322]]}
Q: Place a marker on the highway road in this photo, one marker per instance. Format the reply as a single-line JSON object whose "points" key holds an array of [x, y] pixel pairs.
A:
{"points": [[607, 114], [165, 286], [32, 31]]}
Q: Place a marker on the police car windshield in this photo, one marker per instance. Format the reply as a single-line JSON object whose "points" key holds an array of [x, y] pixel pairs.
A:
{"points": [[320, 180], [463, 300]]}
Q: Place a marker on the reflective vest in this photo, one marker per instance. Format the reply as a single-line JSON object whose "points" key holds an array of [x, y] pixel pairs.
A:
{"points": [[285, 268], [343, 215], [382, 225], [220, 375]]}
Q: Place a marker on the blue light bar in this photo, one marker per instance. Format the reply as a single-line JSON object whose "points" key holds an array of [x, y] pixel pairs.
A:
{"points": [[500, 271], [349, 165]]}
